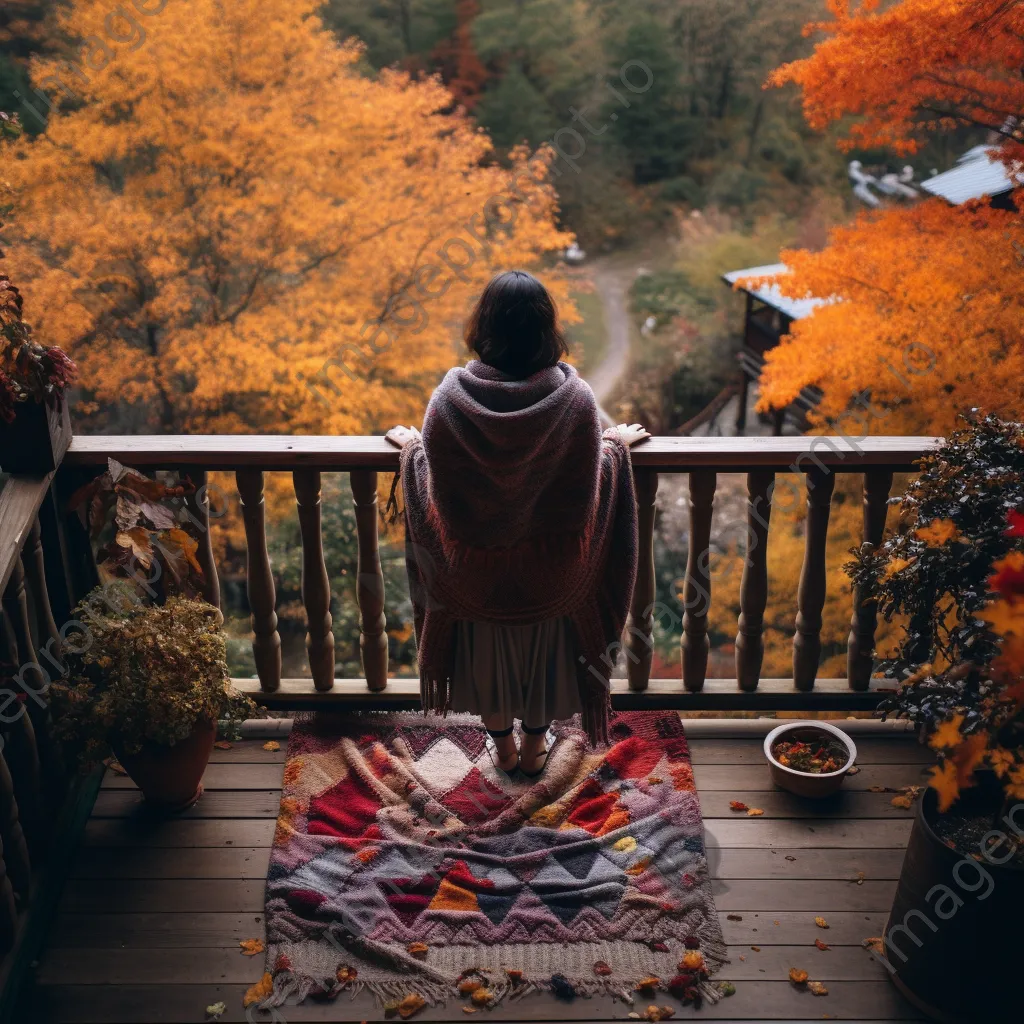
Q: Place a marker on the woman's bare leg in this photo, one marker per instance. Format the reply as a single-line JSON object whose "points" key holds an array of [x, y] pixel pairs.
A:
{"points": [[534, 748], [500, 730]]}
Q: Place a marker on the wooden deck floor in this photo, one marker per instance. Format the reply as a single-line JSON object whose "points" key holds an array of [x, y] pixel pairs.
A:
{"points": [[151, 917]]}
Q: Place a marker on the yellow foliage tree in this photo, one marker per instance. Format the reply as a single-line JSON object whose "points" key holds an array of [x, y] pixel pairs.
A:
{"points": [[233, 229], [929, 305]]}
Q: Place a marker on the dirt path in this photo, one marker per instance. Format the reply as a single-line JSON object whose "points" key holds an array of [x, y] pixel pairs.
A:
{"points": [[611, 282]]}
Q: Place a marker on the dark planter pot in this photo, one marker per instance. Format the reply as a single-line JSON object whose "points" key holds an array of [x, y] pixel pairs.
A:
{"points": [[954, 951], [37, 439], [171, 777]]}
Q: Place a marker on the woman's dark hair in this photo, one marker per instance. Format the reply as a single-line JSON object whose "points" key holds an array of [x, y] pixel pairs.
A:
{"points": [[514, 327]]}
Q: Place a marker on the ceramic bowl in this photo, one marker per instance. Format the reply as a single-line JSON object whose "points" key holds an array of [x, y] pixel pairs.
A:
{"points": [[804, 783]]}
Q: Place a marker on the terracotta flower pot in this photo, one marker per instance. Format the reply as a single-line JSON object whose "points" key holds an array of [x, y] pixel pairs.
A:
{"points": [[171, 777], [805, 783]]}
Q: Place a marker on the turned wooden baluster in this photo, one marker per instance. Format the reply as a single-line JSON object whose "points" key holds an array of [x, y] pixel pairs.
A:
{"points": [[810, 597], [12, 836], [21, 751], [35, 572], [754, 583], [33, 680], [316, 585], [197, 506], [697, 586], [373, 640], [861, 643], [638, 636], [266, 642]]}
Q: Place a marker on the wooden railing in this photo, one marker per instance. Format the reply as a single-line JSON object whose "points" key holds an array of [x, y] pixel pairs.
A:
{"points": [[38, 795], [817, 459]]}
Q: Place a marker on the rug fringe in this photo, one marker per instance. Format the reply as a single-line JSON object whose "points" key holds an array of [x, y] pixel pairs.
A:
{"points": [[294, 987]]}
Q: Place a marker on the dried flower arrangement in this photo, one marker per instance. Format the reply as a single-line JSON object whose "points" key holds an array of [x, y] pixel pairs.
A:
{"points": [[142, 674]]}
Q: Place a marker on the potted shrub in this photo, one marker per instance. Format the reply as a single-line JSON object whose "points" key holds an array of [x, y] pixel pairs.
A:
{"points": [[147, 684], [954, 570], [35, 426]]}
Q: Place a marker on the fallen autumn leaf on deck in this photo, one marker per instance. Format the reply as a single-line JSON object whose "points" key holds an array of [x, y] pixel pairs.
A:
{"points": [[223, 745], [797, 976], [737, 805], [754, 811], [901, 801], [821, 922], [411, 1004], [250, 947], [258, 992], [214, 1010], [818, 988], [271, 745], [875, 944], [822, 945]]}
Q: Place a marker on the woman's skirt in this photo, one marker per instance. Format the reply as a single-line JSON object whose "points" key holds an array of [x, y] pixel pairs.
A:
{"points": [[525, 672]]}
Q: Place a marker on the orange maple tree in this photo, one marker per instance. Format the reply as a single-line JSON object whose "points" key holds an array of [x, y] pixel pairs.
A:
{"points": [[232, 228], [928, 304]]}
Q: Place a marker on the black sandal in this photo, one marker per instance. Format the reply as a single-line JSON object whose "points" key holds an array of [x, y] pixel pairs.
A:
{"points": [[501, 734], [536, 731]]}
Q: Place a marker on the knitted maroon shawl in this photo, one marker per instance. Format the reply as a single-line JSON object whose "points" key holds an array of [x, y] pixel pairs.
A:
{"points": [[517, 511]]}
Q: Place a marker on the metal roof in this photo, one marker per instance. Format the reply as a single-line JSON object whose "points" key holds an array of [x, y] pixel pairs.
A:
{"points": [[979, 172], [769, 294]]}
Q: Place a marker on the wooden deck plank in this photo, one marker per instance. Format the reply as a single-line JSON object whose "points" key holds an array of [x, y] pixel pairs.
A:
{"points": [[143, 832], [265, 803], [160, 862], [709, 777], [870, 750], [189, 895], [902, 749], [741, 832], [149, 930], [185, 1003], [252, 862], [734, 832], [94, 966]]}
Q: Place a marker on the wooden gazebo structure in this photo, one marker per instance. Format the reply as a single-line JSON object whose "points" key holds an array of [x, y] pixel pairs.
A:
{"points": [[769, 315]]}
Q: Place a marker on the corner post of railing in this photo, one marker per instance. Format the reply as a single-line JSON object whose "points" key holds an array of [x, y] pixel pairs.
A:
{"points": [[754, 582], [861, 643], [316, 584], [695, 644], [266, 643], [810, 596], [638, 636], [373, 640]]}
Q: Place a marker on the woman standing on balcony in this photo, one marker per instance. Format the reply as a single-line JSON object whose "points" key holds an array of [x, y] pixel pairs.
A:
{"points": [[521, 530]]}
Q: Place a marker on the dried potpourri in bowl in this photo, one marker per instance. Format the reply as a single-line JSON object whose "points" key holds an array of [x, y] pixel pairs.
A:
{"points": [[809, 758]]}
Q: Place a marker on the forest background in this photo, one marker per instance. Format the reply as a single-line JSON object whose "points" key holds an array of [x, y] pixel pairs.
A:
{"points": [[273, 217]]}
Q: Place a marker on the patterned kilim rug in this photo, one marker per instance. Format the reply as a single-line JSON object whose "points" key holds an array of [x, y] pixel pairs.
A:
{"points": [[406, 862]]}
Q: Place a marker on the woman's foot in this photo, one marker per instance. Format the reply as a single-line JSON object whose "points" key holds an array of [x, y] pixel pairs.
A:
{"points": [[506, 755], [533, 753]]}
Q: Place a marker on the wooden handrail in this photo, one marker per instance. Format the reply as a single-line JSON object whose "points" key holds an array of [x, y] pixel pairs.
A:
{"points": [[284, 452], [762, 459]]}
